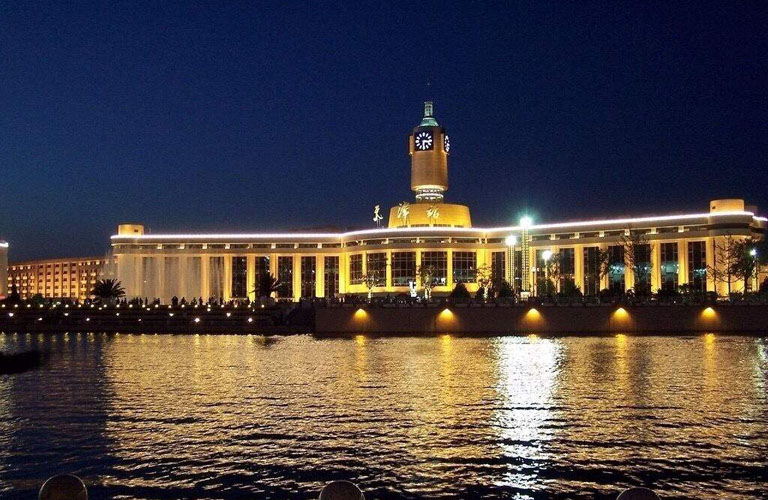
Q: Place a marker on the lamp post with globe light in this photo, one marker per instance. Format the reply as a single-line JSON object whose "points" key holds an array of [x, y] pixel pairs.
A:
{"points": [[511, 242], [525, 285], [756, 282], [546, 255]]}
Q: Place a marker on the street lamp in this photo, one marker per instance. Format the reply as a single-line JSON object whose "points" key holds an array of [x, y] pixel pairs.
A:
{"points": [[753, 254], [511, 241], [546, 255], [525, 223]]}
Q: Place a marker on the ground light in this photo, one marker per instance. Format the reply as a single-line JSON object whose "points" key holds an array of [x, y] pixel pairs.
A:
{"points": [[533, 314]]}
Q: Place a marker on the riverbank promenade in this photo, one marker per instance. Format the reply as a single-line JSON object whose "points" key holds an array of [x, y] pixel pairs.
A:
{"points": [[395, 318]]}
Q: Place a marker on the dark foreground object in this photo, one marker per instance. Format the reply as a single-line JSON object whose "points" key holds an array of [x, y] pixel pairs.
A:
{"points": [[71, 487], [638, 494], [341, 490], [20, 362], [64, 487]]}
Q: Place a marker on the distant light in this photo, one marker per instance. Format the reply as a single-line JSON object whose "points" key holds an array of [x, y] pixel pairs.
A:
{"points": [[229, 314], [526, 222], [10, 315], [511, 240], [546, 254], [87, 319], [753, 252], [361, 314], [170, 314], [197, 320], [250, 320]]}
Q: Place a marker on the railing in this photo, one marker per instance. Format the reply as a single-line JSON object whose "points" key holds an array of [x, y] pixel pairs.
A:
{"points": [[71, 487]]}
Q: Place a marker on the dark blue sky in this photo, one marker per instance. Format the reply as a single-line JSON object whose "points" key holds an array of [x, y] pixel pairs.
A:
{"points": [[249, 116]]}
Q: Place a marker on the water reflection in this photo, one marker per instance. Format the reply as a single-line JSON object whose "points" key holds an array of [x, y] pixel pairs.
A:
{"points": [[527, 382], [199, 416]]}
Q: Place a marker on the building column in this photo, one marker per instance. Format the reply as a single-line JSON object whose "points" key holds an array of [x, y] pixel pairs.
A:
{"points": [[205, 276], [682, 260], [251, 276], [320, 276], [578, 267], [388, 267], [449, 270], [273, 264], [228, 276], [159, 278], [709, 246], [655, 265], [343, 273], [296, 277], [418, 265]]}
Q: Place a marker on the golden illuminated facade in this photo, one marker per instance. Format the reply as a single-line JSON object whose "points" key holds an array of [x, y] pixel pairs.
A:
{"points": [[57, 278], [430, 233]]}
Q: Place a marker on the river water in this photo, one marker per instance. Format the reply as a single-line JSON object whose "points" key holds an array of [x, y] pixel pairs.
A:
{"points": [[203, 416]]}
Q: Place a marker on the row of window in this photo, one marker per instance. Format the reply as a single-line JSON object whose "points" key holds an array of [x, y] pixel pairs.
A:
{"points": [[404, 267]]}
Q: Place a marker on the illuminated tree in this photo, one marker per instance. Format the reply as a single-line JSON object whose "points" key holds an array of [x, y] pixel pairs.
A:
{"points": [[637, 256], [747, 261], [484, 279], [726, 261], [370, 280], [428, 278]]}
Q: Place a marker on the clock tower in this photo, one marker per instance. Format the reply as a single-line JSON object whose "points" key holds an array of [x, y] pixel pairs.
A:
{"points": [[429, 147]]}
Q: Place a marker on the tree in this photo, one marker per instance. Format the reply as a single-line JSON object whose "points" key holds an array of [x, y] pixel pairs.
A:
{"points": [[108, 289], [746, 262], [597, 264], [266, 284], [505, 290], [726, 258], [484, 279], [460, 292], [552, 272], [428, 277], [370, 280], [637, 256]]}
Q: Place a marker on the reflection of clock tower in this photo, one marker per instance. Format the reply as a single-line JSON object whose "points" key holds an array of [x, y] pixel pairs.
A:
{"points": [[429, 146]]}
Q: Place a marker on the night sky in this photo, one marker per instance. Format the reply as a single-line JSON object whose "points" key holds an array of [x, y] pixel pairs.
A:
{"points": [[249, 116]]}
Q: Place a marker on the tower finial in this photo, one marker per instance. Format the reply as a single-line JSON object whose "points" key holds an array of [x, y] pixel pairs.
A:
{"points": [[428, 111], [429, 117]]}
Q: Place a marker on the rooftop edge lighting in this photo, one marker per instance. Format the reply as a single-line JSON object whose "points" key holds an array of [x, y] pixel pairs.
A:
{"points": [[436, 229]]}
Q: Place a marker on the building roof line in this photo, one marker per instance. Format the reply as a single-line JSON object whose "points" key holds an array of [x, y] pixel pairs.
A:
{"points": [[431, 229]]}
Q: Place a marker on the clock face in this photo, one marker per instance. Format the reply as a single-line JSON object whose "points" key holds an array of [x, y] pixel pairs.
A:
{"points": [[446, 144], [423, 141]]}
